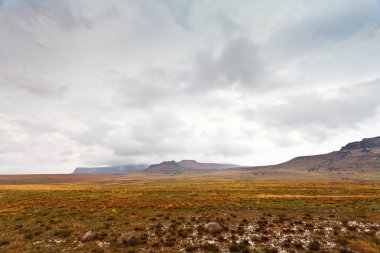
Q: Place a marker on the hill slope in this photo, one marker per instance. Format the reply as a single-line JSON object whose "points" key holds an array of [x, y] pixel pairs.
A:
{"points": [[186, 167], [360, 156]]}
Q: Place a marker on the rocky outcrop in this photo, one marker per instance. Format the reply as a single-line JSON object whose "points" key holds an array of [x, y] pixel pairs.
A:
{"points": [[167, 167], [128, 238], [360, 156], [89, 236], [366, 143], [213, 228], [192, 164], [186, 166]]}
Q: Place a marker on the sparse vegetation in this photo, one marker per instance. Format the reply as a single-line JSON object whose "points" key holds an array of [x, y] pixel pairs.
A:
{"points": [[4, 241], [314, 245], [191, 217]]}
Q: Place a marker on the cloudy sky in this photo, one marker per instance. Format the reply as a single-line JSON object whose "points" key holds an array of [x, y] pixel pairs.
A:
{"points": [[89, 83]]}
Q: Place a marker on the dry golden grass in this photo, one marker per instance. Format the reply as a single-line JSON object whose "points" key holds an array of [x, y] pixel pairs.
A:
{"points": [[51, 217]]}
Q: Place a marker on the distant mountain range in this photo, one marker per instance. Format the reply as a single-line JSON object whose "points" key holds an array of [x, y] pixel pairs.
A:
{"points": [[359, 156], [124, 169], [167, 167]]}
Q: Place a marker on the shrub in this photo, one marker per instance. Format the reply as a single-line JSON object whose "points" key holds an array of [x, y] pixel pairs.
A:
{"points": [[28, 235], [131, 251], [138, 228], [298, 245], [345, 250], [63, 233], [240, 247], [314, 245], [271, 250], [240, 230], [102, 235], [158, 229], [170, 241], [234, 247], [342, 241], [221, 238], [97, 250], [142, 238], [183, 232], [4, 241], [190, 248], [210, 247], [255, 239]]}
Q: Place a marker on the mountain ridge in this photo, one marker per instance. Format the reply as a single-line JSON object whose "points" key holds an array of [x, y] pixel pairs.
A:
{"points": [[122, 169], [165, 167], [361, 156], [186, 167]]}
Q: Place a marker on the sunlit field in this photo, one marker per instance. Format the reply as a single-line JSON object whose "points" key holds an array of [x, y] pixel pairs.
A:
{"points": [[170, 216]]}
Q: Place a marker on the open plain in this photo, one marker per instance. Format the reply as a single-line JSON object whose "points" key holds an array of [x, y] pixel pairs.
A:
{"points": [[167, 213]]}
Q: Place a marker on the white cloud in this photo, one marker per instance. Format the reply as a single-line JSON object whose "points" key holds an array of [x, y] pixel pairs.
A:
{"points": [[246, 82]]}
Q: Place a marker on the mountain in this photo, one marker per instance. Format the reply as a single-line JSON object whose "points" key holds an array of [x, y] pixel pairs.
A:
{"points": [[351, 160], [123, 169], [186, 167], [167, 167], [359, 156]]}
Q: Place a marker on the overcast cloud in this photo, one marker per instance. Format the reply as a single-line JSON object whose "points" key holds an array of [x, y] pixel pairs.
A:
{"points": [[90, 83]]}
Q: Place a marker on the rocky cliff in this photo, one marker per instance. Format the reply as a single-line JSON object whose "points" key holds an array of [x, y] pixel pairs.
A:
{"points": [[360, 156]]}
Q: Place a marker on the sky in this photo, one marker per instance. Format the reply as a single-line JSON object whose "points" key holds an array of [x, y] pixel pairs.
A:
{"points": [[93, 83]]}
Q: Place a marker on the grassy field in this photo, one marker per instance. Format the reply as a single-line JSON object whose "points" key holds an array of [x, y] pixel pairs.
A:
{"points": [[162, 215]]}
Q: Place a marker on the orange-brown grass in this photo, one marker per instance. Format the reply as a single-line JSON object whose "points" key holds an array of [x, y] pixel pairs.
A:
{"points": [[50, 218]]}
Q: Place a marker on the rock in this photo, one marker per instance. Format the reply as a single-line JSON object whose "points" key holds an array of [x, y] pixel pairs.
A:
{"points": [[213, 228], [89, 236], [366, 143], [352, 145], [168, 167], [128, 238]]}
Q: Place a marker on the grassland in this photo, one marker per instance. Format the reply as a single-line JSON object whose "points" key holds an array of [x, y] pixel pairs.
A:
{"points": [[169, 214]]}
